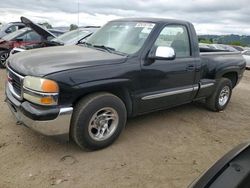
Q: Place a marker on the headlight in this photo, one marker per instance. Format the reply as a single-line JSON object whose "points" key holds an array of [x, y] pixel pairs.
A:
{"points": [[40, 91]]}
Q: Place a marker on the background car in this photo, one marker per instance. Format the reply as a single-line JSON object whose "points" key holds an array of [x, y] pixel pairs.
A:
{"points": [[246, 55], [68, 38], [31, 34], [75, 36], [56, 32], [224, 47], [206, 46], [238, 48], [10, 27]]}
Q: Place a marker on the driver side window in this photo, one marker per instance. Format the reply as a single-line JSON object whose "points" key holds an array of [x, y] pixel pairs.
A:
{"points": [[176, 37]]}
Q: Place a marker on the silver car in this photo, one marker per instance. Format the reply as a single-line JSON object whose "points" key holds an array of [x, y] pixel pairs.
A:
{"points": [[246, 55]]}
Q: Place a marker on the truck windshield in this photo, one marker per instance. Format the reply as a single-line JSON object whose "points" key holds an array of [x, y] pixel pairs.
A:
{"points": [[124, 37]]}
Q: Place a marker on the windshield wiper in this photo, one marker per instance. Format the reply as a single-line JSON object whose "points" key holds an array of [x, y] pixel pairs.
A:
{"points": [[85, 43], [109, 49]]}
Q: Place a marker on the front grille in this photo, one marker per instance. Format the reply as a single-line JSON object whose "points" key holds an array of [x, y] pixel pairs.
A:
{"points": [[15, 81]]}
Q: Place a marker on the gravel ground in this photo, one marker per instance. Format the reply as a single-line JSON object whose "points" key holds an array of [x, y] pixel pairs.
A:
{"points": [[164, 149]]}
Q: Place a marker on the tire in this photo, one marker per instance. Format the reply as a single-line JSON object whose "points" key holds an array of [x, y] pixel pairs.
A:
{"points": [[216, 102], [3, 57], [95, 115]]}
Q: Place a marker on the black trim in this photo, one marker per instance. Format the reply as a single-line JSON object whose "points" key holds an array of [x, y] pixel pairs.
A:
{"points": [[219, 167]]}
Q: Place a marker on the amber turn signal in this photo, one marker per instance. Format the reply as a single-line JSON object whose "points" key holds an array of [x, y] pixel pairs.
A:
{"points": [[49, 86], [47, 100]]}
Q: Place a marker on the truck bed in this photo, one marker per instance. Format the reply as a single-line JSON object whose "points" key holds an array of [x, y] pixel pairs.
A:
{"points": [[209, 50]]}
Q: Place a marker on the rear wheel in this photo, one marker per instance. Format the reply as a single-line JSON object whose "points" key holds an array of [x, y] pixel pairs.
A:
{"points": [[3, 57], [220, 98], [98, 120]]}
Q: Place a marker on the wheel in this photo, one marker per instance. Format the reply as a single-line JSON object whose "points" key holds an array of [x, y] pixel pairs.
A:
{"points": [[3, 57], [220, 98], [98, 120]]}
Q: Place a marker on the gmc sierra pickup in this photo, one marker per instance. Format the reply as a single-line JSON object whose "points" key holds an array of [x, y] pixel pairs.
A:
{"points": [[127, 68]]}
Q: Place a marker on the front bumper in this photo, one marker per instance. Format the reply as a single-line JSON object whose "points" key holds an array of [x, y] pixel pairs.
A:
{"points": [[56, 124]]}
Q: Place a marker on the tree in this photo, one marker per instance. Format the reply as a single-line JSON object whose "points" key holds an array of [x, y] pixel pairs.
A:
{"points": [[46, 24], [73, 27], [236, 43], [207, 41]]}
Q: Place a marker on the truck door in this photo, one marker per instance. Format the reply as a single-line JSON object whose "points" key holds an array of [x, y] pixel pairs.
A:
{"points": [[166, 83]]}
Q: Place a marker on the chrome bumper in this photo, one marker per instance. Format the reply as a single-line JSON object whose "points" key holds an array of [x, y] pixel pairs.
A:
{"points": [[59, 126]]}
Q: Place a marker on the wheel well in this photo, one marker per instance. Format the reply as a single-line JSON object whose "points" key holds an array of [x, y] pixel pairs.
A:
{"points": [[122, 93], [233, 76]]}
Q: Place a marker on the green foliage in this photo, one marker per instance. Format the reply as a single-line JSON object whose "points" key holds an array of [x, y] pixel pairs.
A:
{"points": [[73, 27], [228, 39], [205, 41], [236, 43], [46, 24]]}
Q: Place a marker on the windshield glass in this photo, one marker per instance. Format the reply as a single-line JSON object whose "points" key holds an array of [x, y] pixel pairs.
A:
{"points": [[15, 34], [72, 36], [125, 37]]}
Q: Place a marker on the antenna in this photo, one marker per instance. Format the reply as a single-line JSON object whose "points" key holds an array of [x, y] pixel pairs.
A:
{"points": [[78, 10]]}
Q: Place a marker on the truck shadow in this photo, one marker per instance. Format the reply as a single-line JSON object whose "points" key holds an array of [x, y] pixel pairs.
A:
{"points": [[147, 122]]}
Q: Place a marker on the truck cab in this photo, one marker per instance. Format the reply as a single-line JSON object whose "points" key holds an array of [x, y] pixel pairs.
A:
{"points": [[127, 68]]}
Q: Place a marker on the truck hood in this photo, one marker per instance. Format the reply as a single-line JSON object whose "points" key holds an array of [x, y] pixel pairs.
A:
{"points": [[44, 61]]}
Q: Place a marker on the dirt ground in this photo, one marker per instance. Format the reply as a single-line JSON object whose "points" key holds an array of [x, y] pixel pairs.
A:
{"points": [[163, 149]]}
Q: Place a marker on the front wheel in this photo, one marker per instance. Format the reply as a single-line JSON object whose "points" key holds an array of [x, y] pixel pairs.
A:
{"points": [[98, 120], [3, 57], [220, 98]]}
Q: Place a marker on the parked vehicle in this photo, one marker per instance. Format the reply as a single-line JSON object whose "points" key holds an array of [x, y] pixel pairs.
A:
{"points": [[238, 48], [221, 47], [68, 38], [207, 46], [32, 34], [10, 27], [231, 171], [224, 47], [246, 55], [76, 36], [127, 68], [56, 32]]}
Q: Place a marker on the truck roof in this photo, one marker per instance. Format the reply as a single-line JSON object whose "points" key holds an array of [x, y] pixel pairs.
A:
{"points": [[155, 20]]}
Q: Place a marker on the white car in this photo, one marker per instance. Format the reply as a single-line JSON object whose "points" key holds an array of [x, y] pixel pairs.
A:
{"points": [[246, 55]]}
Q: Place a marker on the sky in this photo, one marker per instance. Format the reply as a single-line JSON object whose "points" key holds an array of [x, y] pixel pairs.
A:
{"points": [[208, 16]]}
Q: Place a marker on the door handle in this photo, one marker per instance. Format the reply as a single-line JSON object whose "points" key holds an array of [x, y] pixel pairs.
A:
{"points": [[190, 67]]}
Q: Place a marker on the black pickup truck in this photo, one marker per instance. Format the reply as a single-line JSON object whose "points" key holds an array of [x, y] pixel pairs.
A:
{"points": [[127, 68]]}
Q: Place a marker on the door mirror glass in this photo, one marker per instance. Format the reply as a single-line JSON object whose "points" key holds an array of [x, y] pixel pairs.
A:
{"points": [[8, 30], [162, 53]]}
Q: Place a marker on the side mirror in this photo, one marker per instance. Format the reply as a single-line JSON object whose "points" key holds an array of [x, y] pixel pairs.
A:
{"points": [[162, 53], [8, 31]]}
